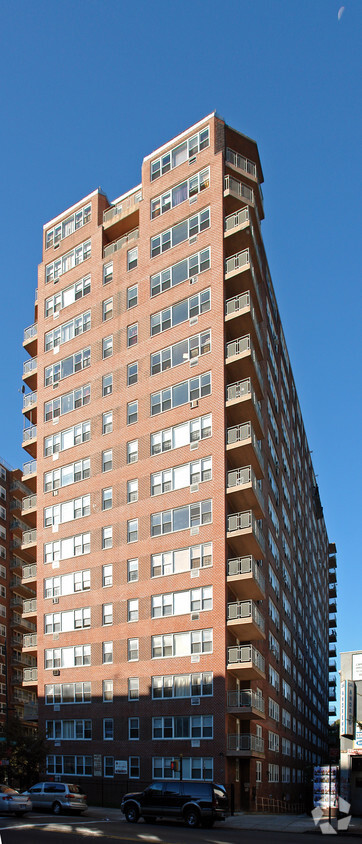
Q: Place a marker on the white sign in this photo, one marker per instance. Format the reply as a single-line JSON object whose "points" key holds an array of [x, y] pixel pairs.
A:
{"points": [[347, 708], [97, 765], [358, 740], [120, 766], [356, 666]]}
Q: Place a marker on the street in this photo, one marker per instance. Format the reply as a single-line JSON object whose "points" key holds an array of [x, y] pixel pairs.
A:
{"points": [[43, 828]]}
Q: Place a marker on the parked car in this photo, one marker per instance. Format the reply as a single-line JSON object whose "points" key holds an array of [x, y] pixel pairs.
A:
{"points": [[57, 796], [12, 801], [193, 802]]}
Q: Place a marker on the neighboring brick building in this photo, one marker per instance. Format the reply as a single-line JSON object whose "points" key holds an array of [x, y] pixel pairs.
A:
{"points": [[14, 587], [186, 609]]}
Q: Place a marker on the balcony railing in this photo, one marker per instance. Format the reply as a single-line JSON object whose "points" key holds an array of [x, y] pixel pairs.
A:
{"points": [[122, 241], [29, 640], [238, 303], [30, 674], [29, 399], [29, 434], [241, 162], [29, 366], [28, 503], [16, 601], [18, 621], [29, 537], [240, 345], [245, 699], [237, 261], [232, 221], [243, 521], [29, 468], [239, 610], [245, 565], [240, 433], [126, 206], [29, 572], [31, 331], [241, 389], [245, 653], [29, 606], [243, 477], [245, 743], [237, 187]]}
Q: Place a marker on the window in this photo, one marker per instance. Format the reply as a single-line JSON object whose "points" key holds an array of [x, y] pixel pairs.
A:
{"points": [[273, 773], [132, 412], [64, 549], [133, 650], [258, 771], [180, 435], [194, 768], [178, 273], [107, 537], [180, 193], [68, 693], [67, 657], [108, 729], [107, 614], [108, 766], [132, 296], [132, 451], [71, 259], [67, 331], [108, 272], [179, 394], [107, 385], [68, 226], [182, 352], [182, 644], [133, 688], [181, 312], [132, 610], [132, 258], [62, 622], [107, 652], [107, 688], [133, 729], [107, 309], [179, 154], [181, 560], [67, 296], [134, 767], [70, 474], [107, 422], [132, 491], [107, 501], [132, 570], [82, 766], [182, 518], [107, 347], [132, 373], [66, 367], [66, 403], [180, 603], [132, 530], [107, 575], [57, 514], [179, 477], [182, 231], [186, 727], [132, 334], [67, 439], [183, 685], [107, 460]]}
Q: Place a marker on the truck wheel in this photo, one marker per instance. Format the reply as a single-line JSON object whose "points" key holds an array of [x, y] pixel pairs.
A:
{"points": [[131, 813]]}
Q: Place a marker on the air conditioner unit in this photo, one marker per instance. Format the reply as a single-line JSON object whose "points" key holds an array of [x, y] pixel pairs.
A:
{"points": [[194, 404], [194, 279], [194, 531], [195, 572], [194, 488], [56, 672], [192, 199], [55, 636], [195, 658], [56, 245], [192, 160], [195, 616], [194, 362], [55, 491], [194, 320], [194, 445], [192, 239], [55, 600]]}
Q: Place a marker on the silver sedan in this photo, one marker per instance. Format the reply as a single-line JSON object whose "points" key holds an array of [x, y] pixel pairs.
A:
{"points": [[11, 802]]}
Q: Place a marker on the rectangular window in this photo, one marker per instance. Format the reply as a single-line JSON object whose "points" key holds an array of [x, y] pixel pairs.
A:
{"points": [[180, 435], [182, 231], [107, 422], [187, 309], [107, 309], [67, 439], [180, 477], [107, 498], [68, 226], [132, 412], [180, 193], [62, 333], [64, 549], [107, 537], [181, 518], [133, 650], [132, 258], [132, 451], [132, 530], [134, 767], [68, 693], [132, 373], [108, 272], [70, 474], [187, 391], [107, 460], [176, 156], [181, 560], [107, 689], [108, 729], [55, 304], [133, 688], [183, 685], [132, 296], [132, 334], [66, 403], [57, 514], [108, 766], [184, 270], [186, 350], [107, 575], [132, 610], [107, 652], [107, 384], [182, 644], [71, 259], [133, 729], [107, 347], [132, 570], [132, 491], [66, 367]]}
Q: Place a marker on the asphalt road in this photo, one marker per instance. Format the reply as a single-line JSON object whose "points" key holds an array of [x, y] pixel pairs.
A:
{"points": [[39, 828]]}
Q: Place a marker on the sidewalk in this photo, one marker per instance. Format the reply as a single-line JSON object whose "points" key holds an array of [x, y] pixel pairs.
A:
{"points": [[246, 820]]}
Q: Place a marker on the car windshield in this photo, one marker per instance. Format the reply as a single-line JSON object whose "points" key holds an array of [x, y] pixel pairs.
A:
{"points": [[74, 789], [6, 790]]}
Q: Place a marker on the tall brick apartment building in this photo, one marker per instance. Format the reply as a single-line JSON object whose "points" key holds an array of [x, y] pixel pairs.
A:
{"points": [[182, 556]]}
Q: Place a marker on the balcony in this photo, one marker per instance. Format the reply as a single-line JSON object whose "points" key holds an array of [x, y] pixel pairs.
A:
{"points": [[30, 642], [239, 162], [245, 621], [18, 586], [332, 651], [332, 666], [240, 315], [30, 608], [243, 405], [29, 539], [16, 602], [22, 625], [17, 526], [16, 563], [245, 704], [332, 636], [30, 440], [332, 712], [122, 216], [332, 576], [130, 237], [332, 591], [243, 480], [242, 445], [332, 608], [245, 535], [29, 510], [245, 744], [245, 662], [30, 406], [241, 359], [29, 574], [29, 474], [236, 191], [30, 712], [239, 271], [332, 621], [237, 221], [30, 369], [245, 578], [30, 341], [30, 676], [15, 506]]}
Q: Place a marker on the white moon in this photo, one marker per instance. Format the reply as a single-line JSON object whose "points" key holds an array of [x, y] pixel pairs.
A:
{"points": [[340, 12]]}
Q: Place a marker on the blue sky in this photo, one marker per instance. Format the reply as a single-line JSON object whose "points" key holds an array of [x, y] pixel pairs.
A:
{"points": [[88, 88]]}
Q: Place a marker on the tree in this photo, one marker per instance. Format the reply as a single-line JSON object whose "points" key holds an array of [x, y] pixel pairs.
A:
{"points": [[26, 751]]}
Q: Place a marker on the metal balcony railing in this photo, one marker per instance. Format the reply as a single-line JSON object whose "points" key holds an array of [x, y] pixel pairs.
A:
{"points": [[31, 331], [29, 366], [237, 219], [245, 565], [240, 433], [29, 468], [29, 640], [29, 572], [239, 610], [243, 521], [245, 699], [122, 241], [29, 433], [241, 162], [244, 476], [29, 399], [245, 743], [237, 187], [245, 653], [237, 261], [29, 537], [30, 674], [241, 389], [126, 206], [28, 503], [30, 606]]}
